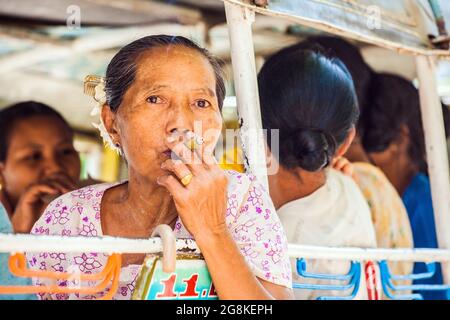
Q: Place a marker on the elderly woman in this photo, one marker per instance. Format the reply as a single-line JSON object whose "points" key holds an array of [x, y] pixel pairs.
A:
{"points": [[157, 89]]}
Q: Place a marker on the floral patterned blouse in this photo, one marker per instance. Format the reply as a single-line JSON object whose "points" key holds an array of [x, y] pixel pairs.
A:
{"points": [[250, 216]]}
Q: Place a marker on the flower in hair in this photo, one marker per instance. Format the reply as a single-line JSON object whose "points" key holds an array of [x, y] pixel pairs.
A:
{"points": [[100, 100]]}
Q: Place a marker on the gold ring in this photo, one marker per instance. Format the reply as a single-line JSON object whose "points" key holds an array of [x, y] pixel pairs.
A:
{"points": [[186, 179]]}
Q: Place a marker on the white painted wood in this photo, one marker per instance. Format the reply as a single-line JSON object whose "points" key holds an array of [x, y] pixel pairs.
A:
{"points": [[436, 146], [240, 21]]}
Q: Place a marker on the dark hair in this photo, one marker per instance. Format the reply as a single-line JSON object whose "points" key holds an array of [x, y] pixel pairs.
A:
{"points": [[394, 103], [351, 56], [22, 111], [311, 99], [121, 71]]}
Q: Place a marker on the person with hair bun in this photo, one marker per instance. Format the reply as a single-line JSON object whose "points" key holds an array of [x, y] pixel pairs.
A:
{"points": [[389, 216], [310, 99]]}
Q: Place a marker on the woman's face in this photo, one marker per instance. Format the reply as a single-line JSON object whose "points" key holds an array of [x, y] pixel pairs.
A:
{"points": [[39, 148], [173, 91]]}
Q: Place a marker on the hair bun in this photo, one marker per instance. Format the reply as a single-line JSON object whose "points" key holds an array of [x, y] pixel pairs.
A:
{"points": [[308, 148]]}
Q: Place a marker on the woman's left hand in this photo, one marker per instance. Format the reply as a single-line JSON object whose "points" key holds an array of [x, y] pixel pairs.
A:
{"points": [[343, 165], [202, 203]]}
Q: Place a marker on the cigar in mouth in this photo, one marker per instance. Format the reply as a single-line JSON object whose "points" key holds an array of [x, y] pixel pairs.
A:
{"points": [[193, 141]]}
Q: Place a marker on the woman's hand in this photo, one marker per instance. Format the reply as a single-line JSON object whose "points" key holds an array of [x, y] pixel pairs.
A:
{"points": [[342, 164], [35, 199], [201, 204]]}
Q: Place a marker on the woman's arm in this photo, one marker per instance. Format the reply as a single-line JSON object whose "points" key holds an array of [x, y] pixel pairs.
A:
{"points": [[202, 206]]}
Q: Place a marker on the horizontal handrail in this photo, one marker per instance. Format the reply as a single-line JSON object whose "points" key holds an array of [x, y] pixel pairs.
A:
{"points": [[360, 254], [43, 243], [109, 245]]}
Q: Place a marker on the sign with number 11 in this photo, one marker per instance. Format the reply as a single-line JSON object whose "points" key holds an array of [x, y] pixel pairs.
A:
{"points": [[191, 281]]}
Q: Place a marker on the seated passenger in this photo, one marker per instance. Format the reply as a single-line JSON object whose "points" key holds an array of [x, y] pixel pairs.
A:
{"points": [[311, 100], [157, 89], [389, 215], [394, 141], [37, 161]]}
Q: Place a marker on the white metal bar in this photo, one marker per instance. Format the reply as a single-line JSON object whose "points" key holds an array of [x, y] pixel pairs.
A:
{"points": [[239, 22], [34, 243], [360, 254], [329, 27], [437, 156]]}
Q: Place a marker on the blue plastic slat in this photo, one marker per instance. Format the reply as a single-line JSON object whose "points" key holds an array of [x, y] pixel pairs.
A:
{"points": [[355, 282], [389, 288], [352, 277], [301, 270]]}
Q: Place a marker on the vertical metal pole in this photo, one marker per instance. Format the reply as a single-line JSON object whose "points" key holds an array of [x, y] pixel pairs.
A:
{"points": [[240, 21], [437, 156]]}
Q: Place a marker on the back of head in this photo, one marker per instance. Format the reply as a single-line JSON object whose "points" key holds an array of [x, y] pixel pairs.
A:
{"points": [[351, 56], [22, 111], [395, 103], [311, 100]]}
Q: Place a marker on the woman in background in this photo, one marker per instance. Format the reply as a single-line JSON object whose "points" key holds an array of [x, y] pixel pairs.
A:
{"points": [[394, 141], [37, 161], [389, 214], [311, 100]]}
